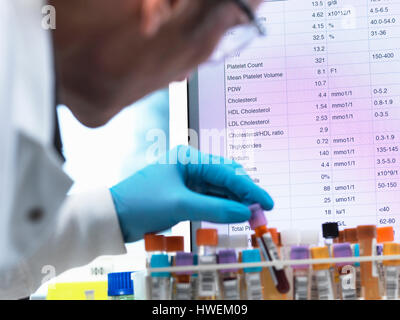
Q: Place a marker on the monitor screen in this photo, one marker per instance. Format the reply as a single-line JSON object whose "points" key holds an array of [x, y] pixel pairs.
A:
{"points": [[312, 112]]}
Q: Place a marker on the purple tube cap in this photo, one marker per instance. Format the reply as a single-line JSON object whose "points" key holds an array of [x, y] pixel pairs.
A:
{"points": [[299, 253], [227, 256], [257, 218], [184, 259], [342, 250]]}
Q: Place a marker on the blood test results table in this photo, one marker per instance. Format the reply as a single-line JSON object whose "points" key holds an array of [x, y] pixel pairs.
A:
{"points": [[312, 111]]}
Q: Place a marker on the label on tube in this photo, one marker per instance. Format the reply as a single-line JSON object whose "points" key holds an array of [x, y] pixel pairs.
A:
{"points": [[253, 285], [301, 288], [231, 289], [392, 283], [183, 291], [273, 250], [348, 286], [324, 285], [314, 288], [207, 279], [159, 288]]}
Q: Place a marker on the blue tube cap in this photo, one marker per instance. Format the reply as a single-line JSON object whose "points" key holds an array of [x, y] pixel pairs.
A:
{"points": [[251, 256], [357, 253], [160, 261], [120, 284]]}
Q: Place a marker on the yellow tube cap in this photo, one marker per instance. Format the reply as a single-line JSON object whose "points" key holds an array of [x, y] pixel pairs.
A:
{"points": [[320, 253], [391, 249]]}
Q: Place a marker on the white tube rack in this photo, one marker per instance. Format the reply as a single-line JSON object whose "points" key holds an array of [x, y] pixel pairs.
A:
{"points": [[278, 263]]}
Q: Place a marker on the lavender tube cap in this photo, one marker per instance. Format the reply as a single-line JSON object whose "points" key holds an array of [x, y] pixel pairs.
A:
{"points": [[257, 218], [342, 250], [299, 253], [227, 256], [184, 259]]}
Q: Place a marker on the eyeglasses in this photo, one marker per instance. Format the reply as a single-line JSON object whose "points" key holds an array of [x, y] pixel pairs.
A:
{"points": [[241, 36]]}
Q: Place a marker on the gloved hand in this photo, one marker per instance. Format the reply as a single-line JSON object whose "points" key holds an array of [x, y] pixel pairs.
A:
{"points": [[164, 194]]}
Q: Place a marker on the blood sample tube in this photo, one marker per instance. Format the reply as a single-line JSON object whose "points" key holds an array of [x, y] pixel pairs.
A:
{"points": [[383, 235], [350, 235], [311, 238], [301, 273], [229, 280], [173, 245], [330, 233], [182, 279], [154, 245], [289, 238], [160, 281], [258, 223], [392, 270], [347, 273], [323, 273], [253, 289], [369, 272], [207, 241]]}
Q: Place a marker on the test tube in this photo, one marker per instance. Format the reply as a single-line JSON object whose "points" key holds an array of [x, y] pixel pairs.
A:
{"points": [[347, 272], [173, 245], [289, 238], [272, 292], [301, 273], [369, 272], [183, 283], [383, 235], [258, 223], [160, 281], [154, 244], [229, 279], [391, 268], [253, 289], [323, 273], [207, 241], [239, 242], [330, 233], [268, 284], [350, 235], [311, 238]]}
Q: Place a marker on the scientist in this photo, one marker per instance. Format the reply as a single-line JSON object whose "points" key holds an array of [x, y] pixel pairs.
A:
{"points": [[102, 56]]}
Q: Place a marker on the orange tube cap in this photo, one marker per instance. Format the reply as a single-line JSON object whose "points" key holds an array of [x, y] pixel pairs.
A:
{"points": [[207, 237], [174, 244], [384, 234], [154, 242]]}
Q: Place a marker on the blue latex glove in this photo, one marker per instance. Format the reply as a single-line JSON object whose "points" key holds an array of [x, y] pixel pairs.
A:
{"points": [[164, 194]]}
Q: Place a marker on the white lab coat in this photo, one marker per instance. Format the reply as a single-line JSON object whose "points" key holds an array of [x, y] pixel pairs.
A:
{"points": [[39, 225]]}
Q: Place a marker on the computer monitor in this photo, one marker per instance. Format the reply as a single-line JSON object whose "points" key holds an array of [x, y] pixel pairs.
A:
{"points": [[312, 111]]}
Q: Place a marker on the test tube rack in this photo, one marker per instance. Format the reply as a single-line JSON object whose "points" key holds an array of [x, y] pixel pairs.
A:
{"points": [[277, 263]]}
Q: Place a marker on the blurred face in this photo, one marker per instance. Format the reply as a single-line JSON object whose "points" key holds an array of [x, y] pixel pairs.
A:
{"points": [[112, 53]]}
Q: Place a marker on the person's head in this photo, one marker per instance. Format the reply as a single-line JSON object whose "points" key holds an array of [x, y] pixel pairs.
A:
{"points": [[111, 53]]}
